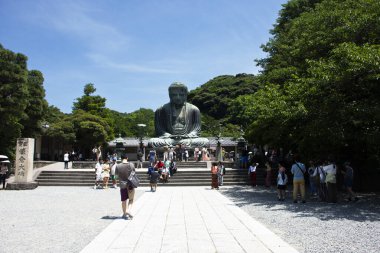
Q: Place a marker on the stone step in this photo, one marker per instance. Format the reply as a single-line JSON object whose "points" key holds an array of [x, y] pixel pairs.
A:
{"points": [[181, 178]]}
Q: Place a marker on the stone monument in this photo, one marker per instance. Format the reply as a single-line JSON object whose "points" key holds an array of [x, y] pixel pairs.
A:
{"points": [[24, 166], [178, 122]]}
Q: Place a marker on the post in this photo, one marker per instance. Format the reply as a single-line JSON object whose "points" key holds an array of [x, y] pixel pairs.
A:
{"points": [[24, 166]]}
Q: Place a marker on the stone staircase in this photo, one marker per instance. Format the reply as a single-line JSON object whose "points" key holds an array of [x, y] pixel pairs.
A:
{"points": [[189, 174]]}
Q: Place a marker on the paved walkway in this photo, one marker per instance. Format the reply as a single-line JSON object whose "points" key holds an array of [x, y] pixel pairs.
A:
{"points": [[187, 219]]}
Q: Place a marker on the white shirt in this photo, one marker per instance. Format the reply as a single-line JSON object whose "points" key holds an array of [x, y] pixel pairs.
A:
{"points": [[98, 168], [66, 157], [331, 168], [252, 169]]}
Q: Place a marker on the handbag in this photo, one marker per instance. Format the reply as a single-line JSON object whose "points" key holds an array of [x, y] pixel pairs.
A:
{"points": [[133, 180], [123, 184]]}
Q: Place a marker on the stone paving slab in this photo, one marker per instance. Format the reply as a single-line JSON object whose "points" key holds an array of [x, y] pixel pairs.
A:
{"points": [[187, 219]]}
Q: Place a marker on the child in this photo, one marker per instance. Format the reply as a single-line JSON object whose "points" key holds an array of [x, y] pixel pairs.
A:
{"points": [[282, 180]]}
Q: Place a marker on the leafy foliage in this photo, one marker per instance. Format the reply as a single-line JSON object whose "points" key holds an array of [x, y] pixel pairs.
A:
{"points": [[321, 81], [37, 105], [13, 98], [125, 124], [214, 97]]}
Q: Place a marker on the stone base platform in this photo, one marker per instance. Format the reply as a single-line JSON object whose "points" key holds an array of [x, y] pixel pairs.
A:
{"points": [[22, 186]]}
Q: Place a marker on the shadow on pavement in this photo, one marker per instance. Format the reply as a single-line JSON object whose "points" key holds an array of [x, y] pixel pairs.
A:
{"points": [[366, 209], [110, 217]]}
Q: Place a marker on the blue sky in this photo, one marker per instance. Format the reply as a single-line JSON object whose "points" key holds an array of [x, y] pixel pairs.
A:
{"points": [[132, 50]]}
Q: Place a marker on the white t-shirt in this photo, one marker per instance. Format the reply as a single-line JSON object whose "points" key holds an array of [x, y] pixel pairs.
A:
{"points": [[98, 168], [66, 157], [252, 169]]}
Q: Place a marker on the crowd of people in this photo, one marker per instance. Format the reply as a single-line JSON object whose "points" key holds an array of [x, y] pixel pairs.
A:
{"points": [[315, 179]]}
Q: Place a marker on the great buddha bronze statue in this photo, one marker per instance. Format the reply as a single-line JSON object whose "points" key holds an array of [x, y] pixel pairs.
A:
{"points": [[178, 122]]}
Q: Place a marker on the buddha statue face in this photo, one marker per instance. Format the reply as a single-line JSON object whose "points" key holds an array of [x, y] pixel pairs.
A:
{"points": [[178, 95]]}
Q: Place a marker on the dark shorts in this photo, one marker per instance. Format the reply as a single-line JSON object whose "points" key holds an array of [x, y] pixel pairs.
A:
{"points": [[124, 194], [281, 187]]}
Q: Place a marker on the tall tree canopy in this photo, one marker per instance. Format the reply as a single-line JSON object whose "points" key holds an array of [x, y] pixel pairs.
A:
{"points": [[22, 100], [321, 80], [13, 92], [37, 105]]}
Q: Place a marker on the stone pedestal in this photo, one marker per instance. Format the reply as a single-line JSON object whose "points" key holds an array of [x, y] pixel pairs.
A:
{"points": [[24, 166]]}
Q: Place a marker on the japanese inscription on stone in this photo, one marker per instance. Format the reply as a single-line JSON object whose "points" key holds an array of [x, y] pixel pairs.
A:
{"points": [[24, 160]]}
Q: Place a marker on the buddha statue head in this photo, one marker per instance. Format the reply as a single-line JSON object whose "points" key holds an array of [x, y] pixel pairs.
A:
{"points": [[178, 94]]}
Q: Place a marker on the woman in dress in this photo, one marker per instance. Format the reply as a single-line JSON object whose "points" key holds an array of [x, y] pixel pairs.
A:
{"points": [[214, 176]]}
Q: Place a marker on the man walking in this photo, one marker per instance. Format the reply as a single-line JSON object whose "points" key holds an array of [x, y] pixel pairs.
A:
{"points": [[140, 159], [66, 158], [127, 191]]}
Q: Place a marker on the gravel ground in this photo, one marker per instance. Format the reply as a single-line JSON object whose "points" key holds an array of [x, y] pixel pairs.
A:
{"points": [[66, 219], [315, 226], [56, 219]]}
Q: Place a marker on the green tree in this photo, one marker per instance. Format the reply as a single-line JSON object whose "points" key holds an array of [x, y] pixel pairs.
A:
{"points": [[95, 105], [125, 124], [13, 98], [214, 97], [37, 105], [322, 71], [90, 130], [89, 102]]}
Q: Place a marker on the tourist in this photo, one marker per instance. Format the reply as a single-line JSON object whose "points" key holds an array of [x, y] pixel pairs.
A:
{"points": [[153, 178], [3, 172], [282, 180], [214, 176], [105, 173], [171, 153], [112, 176], [152, 157], [114, 157], [98, 173], [172, 167], [196, 153], [268, 177], [298, 169], [165, 174], [252, 173], [94, 151], [348, 181], [186, 155], [330, 170], [127, 192], [139, 159], [320, 179], [166, 153], [66, 159], [312, 179], [99, 153], [221, 173]]}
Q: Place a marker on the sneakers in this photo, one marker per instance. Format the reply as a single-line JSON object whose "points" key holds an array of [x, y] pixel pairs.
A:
{"points": [[130, 215], [95, 187]]}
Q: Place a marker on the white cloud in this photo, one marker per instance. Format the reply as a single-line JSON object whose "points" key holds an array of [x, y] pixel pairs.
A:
{"points": [[104, 61]]}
